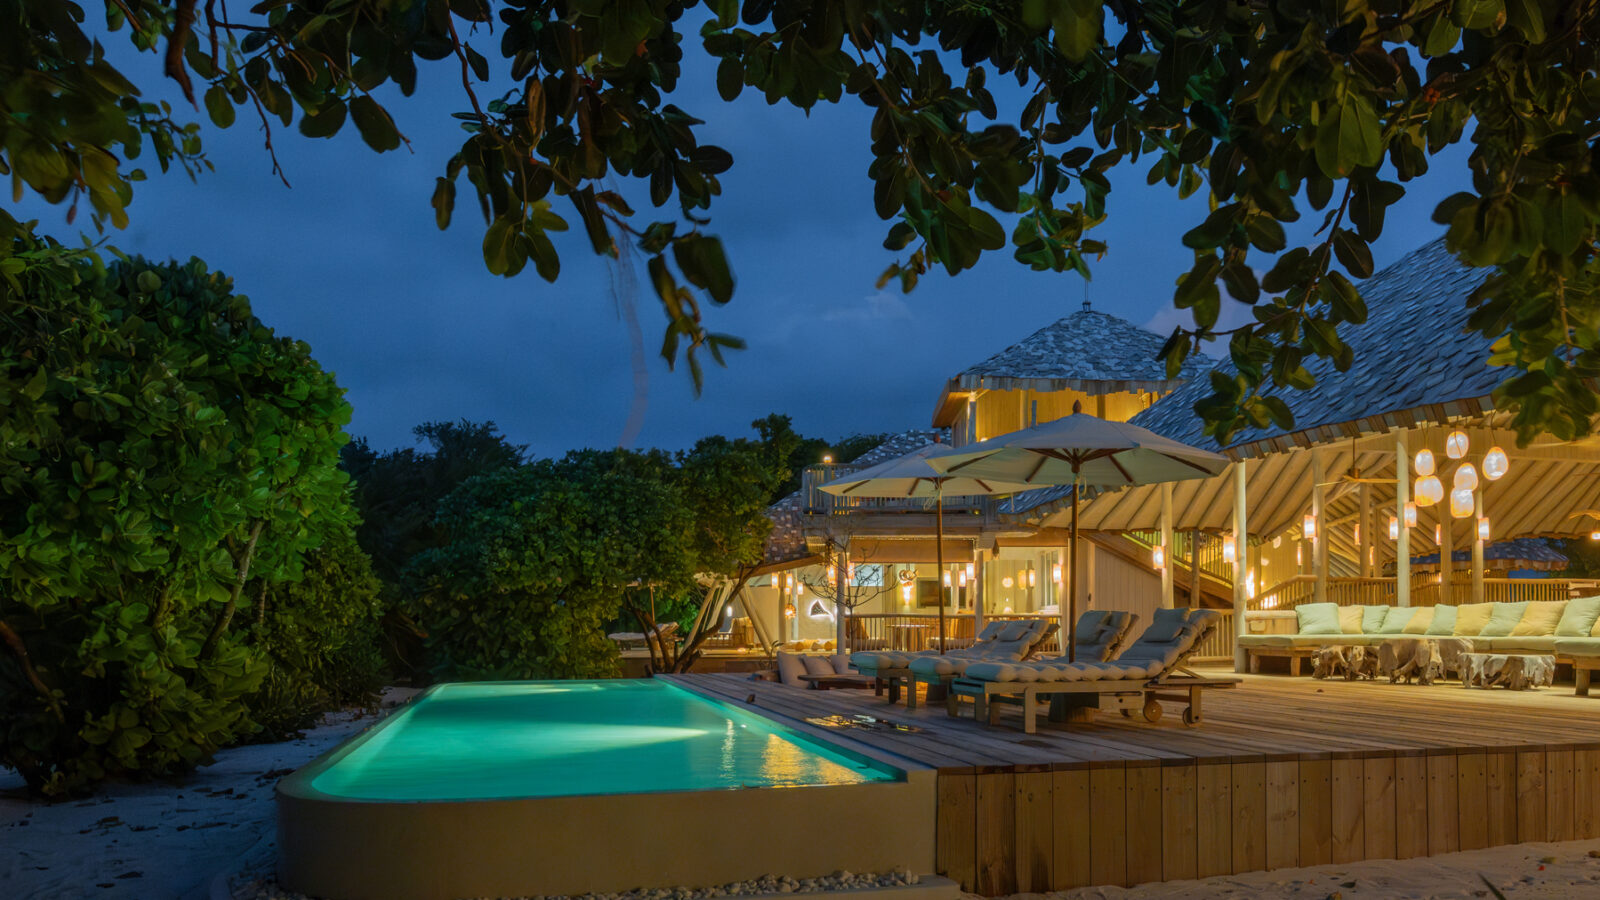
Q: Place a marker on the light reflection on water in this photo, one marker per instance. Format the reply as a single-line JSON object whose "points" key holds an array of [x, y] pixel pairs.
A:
{"points": [[481, 741]]}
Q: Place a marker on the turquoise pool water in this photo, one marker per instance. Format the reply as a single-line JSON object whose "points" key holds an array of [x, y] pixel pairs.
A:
{"points": [[568, 738]]}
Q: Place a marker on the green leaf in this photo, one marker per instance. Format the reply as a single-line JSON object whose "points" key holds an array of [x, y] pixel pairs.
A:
{"points": [[219, 106], [480, 66], [703, 262], [1077, 27], [444, 202], [730, 78], [1566, 223], [326, 122], [1348, 136], [1353, 253], [374, 124]]}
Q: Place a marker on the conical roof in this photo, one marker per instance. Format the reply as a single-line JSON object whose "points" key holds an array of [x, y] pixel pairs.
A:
{"points": [[1087, 351]]}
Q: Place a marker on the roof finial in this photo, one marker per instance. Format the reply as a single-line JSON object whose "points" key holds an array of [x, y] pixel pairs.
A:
{"points": [[1086, 295]]}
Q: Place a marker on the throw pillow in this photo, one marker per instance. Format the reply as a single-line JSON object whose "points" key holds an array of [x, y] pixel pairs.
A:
{"points": [[1398, 619], [819, 665], [790, 667], [1579, 618], [1471, 617], [1318, 618], [1503, 618], [1165, 625], [1540, 618], [1444, 621], [1372, 618], [1350, 620], [1421, 618]]}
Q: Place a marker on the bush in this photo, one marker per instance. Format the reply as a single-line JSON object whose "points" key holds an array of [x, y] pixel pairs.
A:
{"points": [[163, 455]]}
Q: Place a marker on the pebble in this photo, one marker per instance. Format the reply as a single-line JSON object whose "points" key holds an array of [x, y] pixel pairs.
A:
{"points": [[251, 886]]}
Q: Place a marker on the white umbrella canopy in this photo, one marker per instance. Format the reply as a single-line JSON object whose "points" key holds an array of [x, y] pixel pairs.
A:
{"points": [[1080, 449], [912, 475]]}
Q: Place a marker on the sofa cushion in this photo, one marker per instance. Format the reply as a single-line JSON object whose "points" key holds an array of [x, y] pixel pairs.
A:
{"points": [[1540, 618], [1579, 617], [1318, 618], [1350, 619], [1503, 618], [1470, 618], [1396, 618], [1578, 646], [818, 665], [1372, 618], [841, 664], [1514, 644], [1444, 621], [790, 667], [1421, 618], [1299, 641]]}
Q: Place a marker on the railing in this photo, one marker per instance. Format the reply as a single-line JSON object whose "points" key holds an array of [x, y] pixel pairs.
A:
{"points": [[1211, 563], [1425, 591], [820, 502], [906, 631], [1218, 645]]}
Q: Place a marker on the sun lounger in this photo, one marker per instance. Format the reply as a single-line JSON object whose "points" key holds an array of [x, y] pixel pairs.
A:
{"points": [[999, 641], [1149, 671]]}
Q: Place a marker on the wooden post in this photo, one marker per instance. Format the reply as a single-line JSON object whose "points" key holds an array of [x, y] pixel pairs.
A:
{"points": [[1194, 569], [1368, 536], [841, 588], [1167, 555], [977, 593], [1319, 545], [1402, 544], [1447, 546], [1241, 539], [779, 581], [1477, 547]]}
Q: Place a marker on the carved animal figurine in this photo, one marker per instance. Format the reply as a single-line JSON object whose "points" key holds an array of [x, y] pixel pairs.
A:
{"points": [[1451, 655], [1329, 662], [1360, 663], [1422, 665]]}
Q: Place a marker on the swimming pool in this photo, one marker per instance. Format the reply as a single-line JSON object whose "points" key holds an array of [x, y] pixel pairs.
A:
{"points": [[549, 788], [560, 739]]}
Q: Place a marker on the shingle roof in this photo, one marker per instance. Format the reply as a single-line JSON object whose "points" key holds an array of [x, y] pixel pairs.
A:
{"points": [[1086, 351], [1413, 351], [1530, 553], [787, 540]]}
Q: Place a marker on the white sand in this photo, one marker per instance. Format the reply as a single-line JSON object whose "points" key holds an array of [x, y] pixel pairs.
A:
{"points": [[1520, 871], [160, 840]]}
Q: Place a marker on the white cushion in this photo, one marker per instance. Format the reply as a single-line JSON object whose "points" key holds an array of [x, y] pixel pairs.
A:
{"points": [[1014, 630], [841, 664], [881, 659], [790, 667], [818, 665]]}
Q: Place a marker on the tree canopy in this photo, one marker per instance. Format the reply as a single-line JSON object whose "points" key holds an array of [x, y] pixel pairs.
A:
{"points": [[1274, 110]]}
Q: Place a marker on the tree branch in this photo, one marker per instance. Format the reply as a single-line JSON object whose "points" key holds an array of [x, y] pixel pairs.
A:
{"points": [[14, 641], [221, 626], [176, 70]]}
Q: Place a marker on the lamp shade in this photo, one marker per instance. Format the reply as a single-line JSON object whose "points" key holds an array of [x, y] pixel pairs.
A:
{"points": [[1158, 557], [1466, 478], [1483, 528], [1423, 462], [1429, 490], [1455, 445], [1230, 549], [1495, 464], [1394, 529], [1411, 515], [1461, 503]]}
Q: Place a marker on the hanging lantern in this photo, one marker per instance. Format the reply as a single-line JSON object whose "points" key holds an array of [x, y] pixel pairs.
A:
{"points": [[1158, 558], [1495, 464], [963, 579], [833, 575], [1483, 528], [1411, 516], [1429, 490], [1299, 555], [1424, 463], [799, 588], [1461, 503], [972, 572], [1455, 446], [1394, 529], [850, 572], [946, 577], [788, 610], [1308, 527], [1057, 573], [905, 593], [1250, 586], [1438, 534], [1033, 578], [1230, 551], [1277, 541], [1466, 478], [1006, 582]]}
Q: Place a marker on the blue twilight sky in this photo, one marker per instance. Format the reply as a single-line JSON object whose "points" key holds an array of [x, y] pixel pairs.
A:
{"points": [[415, 328]]}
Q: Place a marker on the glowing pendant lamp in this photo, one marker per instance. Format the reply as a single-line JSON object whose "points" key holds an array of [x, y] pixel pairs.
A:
{"points": [[1394, 529], [1461, 503], [1466, 478], [1423, 463], [1495, 464], [1230, 549], [1411, 515], [1455, 446], [1483, 528], [1428, 490]]}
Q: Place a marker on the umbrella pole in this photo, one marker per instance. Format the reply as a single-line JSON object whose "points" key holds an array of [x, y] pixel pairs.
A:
{"points": [[938, 554], [1072, 589]]}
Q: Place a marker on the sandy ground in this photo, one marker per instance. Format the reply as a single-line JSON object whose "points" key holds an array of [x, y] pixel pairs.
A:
{"points": [[1520, 871], [159, 840]]}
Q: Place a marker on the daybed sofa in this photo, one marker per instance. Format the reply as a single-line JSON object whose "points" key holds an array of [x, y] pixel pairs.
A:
{"points": [[1566, 629]]}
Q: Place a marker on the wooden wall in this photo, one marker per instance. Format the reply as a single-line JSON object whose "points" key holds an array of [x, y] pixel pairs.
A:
{"points": [[1036, 829]]}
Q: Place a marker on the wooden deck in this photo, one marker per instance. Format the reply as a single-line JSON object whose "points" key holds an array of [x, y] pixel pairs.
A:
{"points": [[1284, 772]]}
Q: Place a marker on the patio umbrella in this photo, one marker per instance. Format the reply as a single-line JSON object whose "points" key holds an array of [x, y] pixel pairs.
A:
{"points": [[911, 475], [1079, 450]]}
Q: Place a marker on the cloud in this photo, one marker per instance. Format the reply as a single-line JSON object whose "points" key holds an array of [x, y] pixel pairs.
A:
{"points": [[1168, 317], [876, 308]]}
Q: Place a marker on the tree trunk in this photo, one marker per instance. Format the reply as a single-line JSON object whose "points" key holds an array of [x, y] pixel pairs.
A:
{"points": [[14, 641], [221, 626]]}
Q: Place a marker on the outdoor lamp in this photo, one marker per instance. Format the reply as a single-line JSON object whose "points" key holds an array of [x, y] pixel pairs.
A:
{"points": [[1230, 550], [946, 577], [850, 572], [905, 593], [1006, 582], [1411, 516], [971, 571], [962, 577], [1483, 528], [1058, 573], [1594, 535], [1299, 554], [1424, 462], [1158, 557], [827, 459], [1495, 464], [1438, 534], [1429, 490], [799, 588], [833, 574], [1394, 529], [788, 610], [1466, 478], [1455, 446], [1033, 578], [1461, 503], [1308, 527]]}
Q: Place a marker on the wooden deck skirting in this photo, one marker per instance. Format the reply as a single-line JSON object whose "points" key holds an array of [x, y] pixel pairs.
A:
{"points": [[1284, 772]]}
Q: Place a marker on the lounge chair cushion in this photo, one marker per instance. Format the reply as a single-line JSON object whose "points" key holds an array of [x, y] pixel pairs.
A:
{"points": [[1579, 617], [818, 665], [1372, 618], [1165, 625], [1145, 658], [1503, 618], [1012, 631], [1540, 618], [1318, 618], [935, 666], [1397, 619], [1350, 619], [790, 667], [1471, 617], [1421, 618], [1444, 621], [879, 660], [991, 630]]}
